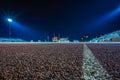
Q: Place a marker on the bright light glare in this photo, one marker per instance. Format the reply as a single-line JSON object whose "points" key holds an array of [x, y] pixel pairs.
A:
{"points": [[9, 20]]}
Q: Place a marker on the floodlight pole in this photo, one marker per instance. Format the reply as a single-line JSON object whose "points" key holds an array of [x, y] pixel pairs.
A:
{"points": [[9, 30], [48, 38], [9, 21]]}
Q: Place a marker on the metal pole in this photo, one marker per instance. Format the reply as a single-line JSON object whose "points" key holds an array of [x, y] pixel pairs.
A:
{"points": [[9, 31], [48, 38]]}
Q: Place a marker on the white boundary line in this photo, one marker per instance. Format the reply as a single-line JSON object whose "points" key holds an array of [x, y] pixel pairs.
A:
{"points": [[91, 68]]}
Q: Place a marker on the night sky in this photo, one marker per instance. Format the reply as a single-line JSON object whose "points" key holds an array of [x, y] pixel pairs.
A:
{"points": [[67, 18]]}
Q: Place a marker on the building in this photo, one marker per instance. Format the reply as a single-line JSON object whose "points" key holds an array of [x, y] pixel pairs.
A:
{"points": [[55, 39], [64, 40], [115, 39]]}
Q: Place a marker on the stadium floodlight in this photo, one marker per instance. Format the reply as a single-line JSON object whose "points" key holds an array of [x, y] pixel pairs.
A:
{"points": [[9, 20]]}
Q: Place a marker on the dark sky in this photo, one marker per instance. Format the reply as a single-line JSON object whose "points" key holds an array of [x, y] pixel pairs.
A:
{"points": [[69, 18]]}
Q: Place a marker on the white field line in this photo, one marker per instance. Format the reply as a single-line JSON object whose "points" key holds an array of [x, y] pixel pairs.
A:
{"points": [[91, 68]]}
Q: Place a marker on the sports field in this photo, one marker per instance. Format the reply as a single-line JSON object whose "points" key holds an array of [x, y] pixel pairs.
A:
{"points": [[60, 61]]}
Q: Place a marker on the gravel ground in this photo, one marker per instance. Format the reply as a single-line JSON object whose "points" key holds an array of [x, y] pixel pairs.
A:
{"points": [[40, 61], [66, 61], [109, 57]]}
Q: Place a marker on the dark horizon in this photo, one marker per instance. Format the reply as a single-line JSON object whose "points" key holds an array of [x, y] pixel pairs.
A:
{"points": [[67, 18]]}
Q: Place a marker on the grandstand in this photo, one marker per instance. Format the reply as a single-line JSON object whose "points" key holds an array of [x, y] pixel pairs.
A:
{"points": [[110, 37]]}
